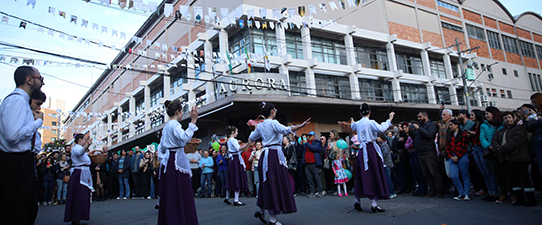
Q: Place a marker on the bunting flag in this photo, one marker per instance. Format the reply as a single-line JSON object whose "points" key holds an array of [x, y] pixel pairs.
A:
{"points": [[312, 10], [291, 12], [5, 19], [323, 7], [250, 14], [249, 23], [122, 3], [84, 23], [247, 60], [263, 13], [351, 3], [224, 12], [63, 14], [333, 6], [31, 2], [276, 14], [23, 25], [266, 59], [264, 25], [342, 4], [73, 19], [358, 2], [301, 10], [241, 23], [52, 10]]}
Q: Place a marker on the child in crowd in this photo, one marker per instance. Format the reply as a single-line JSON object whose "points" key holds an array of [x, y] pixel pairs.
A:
{"points": [[340, 174]]}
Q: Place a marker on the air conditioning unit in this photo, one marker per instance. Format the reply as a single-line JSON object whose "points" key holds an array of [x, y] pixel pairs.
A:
{"points": [[485, 98], [493, 103]]}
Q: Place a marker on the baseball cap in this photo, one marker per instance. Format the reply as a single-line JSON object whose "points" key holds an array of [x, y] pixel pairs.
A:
{"points": [[312, 133]]}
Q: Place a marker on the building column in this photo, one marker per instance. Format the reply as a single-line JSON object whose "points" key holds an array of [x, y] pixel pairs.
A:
{"points": [[453, 94], [282, 50], [223, 43], [448, 66], [191, 74], [209, 86], [307, 54], [109, 129], [120, 122], [431, 95], [351, 60], [392, 62], [131, 114], [147, 102]]}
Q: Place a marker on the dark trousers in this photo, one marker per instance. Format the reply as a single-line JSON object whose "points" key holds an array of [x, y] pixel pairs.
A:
{"points": [[404, 172], [476, 176], [330, 179], [221, 189], [313, 178], [518, 176], [498, 171], [430, 169], [18, 199], [48, 186], [196, 180], [299, 178], [136, 177], [418, 174]]}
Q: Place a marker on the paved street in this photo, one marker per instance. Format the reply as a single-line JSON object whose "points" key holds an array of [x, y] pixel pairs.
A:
{"points": [[327, 210]]}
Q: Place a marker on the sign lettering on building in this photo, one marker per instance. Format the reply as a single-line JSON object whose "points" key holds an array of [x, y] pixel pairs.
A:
{"points": [[253, 83]]}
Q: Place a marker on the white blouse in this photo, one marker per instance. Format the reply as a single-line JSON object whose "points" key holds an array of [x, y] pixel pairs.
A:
{"points": [[174, 138], [81, 161], [368, 130]]}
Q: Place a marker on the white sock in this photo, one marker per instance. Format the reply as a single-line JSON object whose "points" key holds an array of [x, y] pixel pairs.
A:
{"points": [[262, 211], [374, 204], [338, 189], [236, 196], [357, 200], [227, 194], [272, 218], [345, 190]]}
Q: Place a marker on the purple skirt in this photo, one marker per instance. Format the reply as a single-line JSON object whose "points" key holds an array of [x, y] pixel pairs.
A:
{"points": [[371, 183], [276, 193], [177, 204], [77, 199], [237, 178]]}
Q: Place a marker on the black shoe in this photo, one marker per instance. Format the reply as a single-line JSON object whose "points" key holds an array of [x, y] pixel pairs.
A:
{"points": [[491, 198], [202, 196], [156, 207], [260, 216], [238, 203], [208, 196], [227, 201], [377, 209], [357, 206], [486, 197]]}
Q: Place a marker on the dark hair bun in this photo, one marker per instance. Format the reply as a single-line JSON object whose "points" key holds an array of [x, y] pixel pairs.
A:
{"points": [[365, 109], [262, 105], [167, 103]]}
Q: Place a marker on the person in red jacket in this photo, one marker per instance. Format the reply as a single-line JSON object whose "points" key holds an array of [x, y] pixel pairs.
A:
{"points": [[248, 170], [456, 149]]}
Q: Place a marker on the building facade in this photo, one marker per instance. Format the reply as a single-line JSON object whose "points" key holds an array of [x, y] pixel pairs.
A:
{"points": [[394, 54]]}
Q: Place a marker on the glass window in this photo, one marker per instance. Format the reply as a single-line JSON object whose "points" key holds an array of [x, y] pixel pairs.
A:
{"points": [[448, 6], [494, 92], [328, 51], [493, 39], [332, 86], [504, 72], [375, 90], [533, 88], [476, 32], [294, 45], [156, 121], [452, 27], [414, 93], [409, 63], [503, 95], [461, 96], [455, 69], [371, 57], [53, 123], [527, 49], [199, 70], [437, 68], [239, 43], [510, 44], [53, 131], [298, 83], [509, 93], [253, 41], [443, 95], [516, 74], [53, 139], [537, 78], [156, 94], [140, 105], [177, 79], [539, 51]]}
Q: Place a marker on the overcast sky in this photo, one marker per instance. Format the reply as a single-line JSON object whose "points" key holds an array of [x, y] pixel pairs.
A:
{"points": [[119, 20]]}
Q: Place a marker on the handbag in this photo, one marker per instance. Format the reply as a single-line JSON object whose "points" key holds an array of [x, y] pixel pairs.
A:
{"points": [[292, 162], [66, 178]]}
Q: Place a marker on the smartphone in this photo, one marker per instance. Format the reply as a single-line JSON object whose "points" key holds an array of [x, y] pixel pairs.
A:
{"points": [[525, 111]]}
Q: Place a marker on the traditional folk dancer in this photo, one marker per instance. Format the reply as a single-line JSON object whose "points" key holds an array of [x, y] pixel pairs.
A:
{"points": [[370, 174], [80, 186], [275, 192], [176, 198], [237, 178]]}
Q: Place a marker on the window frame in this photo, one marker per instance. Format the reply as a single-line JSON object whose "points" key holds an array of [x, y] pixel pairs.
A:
{"points": [[375, 90], [416, 93], [476, 32], [510, 43], [328, 51], [493, 39], [372, 57], [409, 63], [527, 49]]}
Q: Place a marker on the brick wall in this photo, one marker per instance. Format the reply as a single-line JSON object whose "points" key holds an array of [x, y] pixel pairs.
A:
{"points": [[405, 32], [497, 54], [490, 23], [447, 19], [410, 1], [531, 62], [482, 51], [448, 11], [472, 16], [524, 34], [513, 58], [427, 3], [450, 36], [537, 38], [506, 28], [434, 38]]}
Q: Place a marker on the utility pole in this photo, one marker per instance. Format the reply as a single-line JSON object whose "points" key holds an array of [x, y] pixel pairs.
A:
{"points": [[463, 72]]}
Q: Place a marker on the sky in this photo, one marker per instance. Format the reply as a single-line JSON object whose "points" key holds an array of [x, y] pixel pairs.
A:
{"points": [[81, 79]]}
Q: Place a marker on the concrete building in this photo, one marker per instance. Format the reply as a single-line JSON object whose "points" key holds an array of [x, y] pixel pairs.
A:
{"points": [[51, 129], [393, 54]]}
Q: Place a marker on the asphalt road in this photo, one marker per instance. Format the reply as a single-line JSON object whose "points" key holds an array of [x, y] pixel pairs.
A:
{"points": [[404, 209]]}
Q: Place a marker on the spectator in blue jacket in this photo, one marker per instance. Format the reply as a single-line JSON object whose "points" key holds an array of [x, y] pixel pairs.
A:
{"points": [[206, 165], [123, 166], [222, 162], [492, 124], [136, 175], [312, 163]]}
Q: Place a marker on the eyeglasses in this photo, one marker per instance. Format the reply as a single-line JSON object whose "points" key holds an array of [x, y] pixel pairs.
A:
{"points": [[38, 77]]}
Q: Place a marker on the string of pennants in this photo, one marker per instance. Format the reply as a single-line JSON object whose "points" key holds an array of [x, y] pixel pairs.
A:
{"points": [[183, 12]]}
